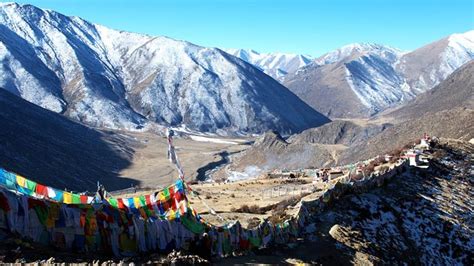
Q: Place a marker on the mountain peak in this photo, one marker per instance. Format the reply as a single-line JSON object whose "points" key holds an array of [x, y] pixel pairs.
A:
{"points": [[9, 4], [355, 50], [276, 65], [461, 40]]}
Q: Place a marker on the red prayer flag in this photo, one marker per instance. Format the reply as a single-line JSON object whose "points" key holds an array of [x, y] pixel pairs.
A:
{"points": [[84, 199], [171, 190], [120, 204], [41, 190]]}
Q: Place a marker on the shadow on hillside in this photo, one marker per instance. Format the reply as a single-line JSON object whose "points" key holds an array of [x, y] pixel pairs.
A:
{"points": [[55, 151]]}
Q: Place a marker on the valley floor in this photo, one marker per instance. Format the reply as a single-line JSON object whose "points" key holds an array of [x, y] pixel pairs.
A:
{"points": [[152, 169]]}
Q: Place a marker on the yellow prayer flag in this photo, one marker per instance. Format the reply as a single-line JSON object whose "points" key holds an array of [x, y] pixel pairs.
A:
{"points": [[67, 198], [170, 215], [136, 201], [20, 181], [161, 196]]}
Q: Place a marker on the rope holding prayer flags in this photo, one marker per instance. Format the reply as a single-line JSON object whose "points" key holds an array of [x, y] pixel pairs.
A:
{"points": [[172, 156]]}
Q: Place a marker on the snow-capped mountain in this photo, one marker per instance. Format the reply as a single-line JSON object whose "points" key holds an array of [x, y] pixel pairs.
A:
{"points": [[276, 65], [359, 49], [355, 80], [360, 80], [115, 79], [427, 66]]}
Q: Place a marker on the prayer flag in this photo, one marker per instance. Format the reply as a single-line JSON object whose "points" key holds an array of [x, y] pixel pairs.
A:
{"points": [[166, 194], [84, 199], [136, 201], [67, 198], [113, 202], [31, 185], [121, 204], [20, 181], [10, 180], [179, 185], [76, 199], [58, 195], [51, 193], [41, 190]]}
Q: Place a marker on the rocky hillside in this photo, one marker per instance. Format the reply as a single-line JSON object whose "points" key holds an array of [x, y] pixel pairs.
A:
{"points": [[446, 111], [271, 151], [339, 132], [115, 79], [423, 217], [456, 123], [53, 150], [418, 217], [456, 91]]}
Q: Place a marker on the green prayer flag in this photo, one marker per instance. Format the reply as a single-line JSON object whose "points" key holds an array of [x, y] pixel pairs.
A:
{"points": [[42, 213], [31, 185], [255, 241], [113, 202], [76, 199], [142, 200], [166, 193], [192, 225], [147, 210]]}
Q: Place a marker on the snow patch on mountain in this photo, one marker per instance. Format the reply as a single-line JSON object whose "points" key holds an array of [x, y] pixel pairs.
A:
{"points": [[387, 53], [459, 51], [276, 65]]}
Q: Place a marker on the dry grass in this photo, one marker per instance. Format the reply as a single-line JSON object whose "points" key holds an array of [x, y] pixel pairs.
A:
{"points": [[255, 209]]}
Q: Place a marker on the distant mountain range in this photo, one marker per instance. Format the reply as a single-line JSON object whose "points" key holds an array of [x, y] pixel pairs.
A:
{"points": [[115, 79], [447, 111], [276, 65], [362, 79]]}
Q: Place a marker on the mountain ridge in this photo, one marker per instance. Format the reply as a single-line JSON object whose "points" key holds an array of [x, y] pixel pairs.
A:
{"points": [[122, 80], [360, 80], [277, 65]]}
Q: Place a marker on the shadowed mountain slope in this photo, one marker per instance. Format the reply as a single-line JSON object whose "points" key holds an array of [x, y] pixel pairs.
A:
{"points": [[53, 150]]}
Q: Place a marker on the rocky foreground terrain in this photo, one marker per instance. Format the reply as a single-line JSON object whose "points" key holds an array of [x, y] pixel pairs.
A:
{"points": [[423, 216]]}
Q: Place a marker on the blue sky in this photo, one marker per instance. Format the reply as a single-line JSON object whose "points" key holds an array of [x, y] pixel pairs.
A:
{"points": [[299, 26]]}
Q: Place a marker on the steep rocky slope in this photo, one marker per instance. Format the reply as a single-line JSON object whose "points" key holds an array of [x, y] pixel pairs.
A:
{"points": [[446, 111], [456, 91], [427, 66]]}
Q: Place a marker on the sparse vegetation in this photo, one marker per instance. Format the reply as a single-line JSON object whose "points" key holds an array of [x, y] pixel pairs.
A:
{"points": [[255, 209], [278, 217]]}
